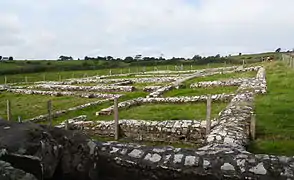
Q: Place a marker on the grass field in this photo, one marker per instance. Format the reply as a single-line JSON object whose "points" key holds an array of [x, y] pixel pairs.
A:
{"points": [[201, 91], [160, 112], [90, 111], [275, 113], [61, 75], [29, 106]]}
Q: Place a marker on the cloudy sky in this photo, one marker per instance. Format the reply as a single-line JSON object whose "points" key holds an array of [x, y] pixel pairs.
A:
{"points": [[46, 29]]}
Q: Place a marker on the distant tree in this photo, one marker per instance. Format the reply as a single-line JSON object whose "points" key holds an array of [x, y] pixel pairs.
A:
{"points": [[10, 58], [240, 54], [0, 58], [109, 58], [65, 58], [138, 57], [278, 50], [86, 58], [217, 56], [196, 57], [129, 59]]}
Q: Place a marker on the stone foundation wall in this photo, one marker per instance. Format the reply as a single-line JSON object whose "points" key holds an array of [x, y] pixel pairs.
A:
{"points": [[227, 82], [84, 88], [183, 99], [65, 93], [192, 131], [201, 73]]}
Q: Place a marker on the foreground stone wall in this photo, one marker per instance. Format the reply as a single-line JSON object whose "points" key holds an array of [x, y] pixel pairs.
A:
{"points": [[181, 99]]}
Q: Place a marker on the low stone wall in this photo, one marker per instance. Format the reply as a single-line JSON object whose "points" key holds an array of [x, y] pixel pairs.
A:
{"points": [[191, 131], [256, 85], [60, 112], [151, 88], [123, 83], [200, 73], [182, 99], [227, 82], [84, 88], [65, 93]]}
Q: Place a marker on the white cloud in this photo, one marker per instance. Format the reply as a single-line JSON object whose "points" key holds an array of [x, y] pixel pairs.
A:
{"points": [[148, 27]]}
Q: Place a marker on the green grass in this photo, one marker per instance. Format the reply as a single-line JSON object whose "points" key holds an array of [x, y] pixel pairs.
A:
{"points": [[275, 113], [201, 91], [90, 111], [220, 77], [160, 112], [29, 106], [61, 75]]}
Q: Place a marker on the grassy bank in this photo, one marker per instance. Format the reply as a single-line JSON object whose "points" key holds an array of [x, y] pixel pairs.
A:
{"points": [[275, 113]]}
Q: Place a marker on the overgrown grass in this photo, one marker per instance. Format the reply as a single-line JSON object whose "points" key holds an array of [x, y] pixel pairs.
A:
{"points": [[201, 91], [160, 112], [275, 113], [29, 106]]}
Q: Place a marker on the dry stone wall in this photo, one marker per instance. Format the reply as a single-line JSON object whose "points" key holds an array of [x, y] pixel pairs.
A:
{"points": [[192, 131], [200, 73], [64, 93], [226, 82], [183, 99], [84, 88]]}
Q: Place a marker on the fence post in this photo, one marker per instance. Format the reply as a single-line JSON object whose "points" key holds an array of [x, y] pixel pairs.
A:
{"points": [[44, 77], [121, 71], [208, 114], [110, 73], [19, 119], [49, 108], [26, 79], [191, 67], [252, 126], [66, 125], [8, 110], [5, 79], [129, 70], [116, 123], [243, 63]]}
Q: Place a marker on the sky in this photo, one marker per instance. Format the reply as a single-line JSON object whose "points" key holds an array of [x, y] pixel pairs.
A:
{"points": [[46, 29]]}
